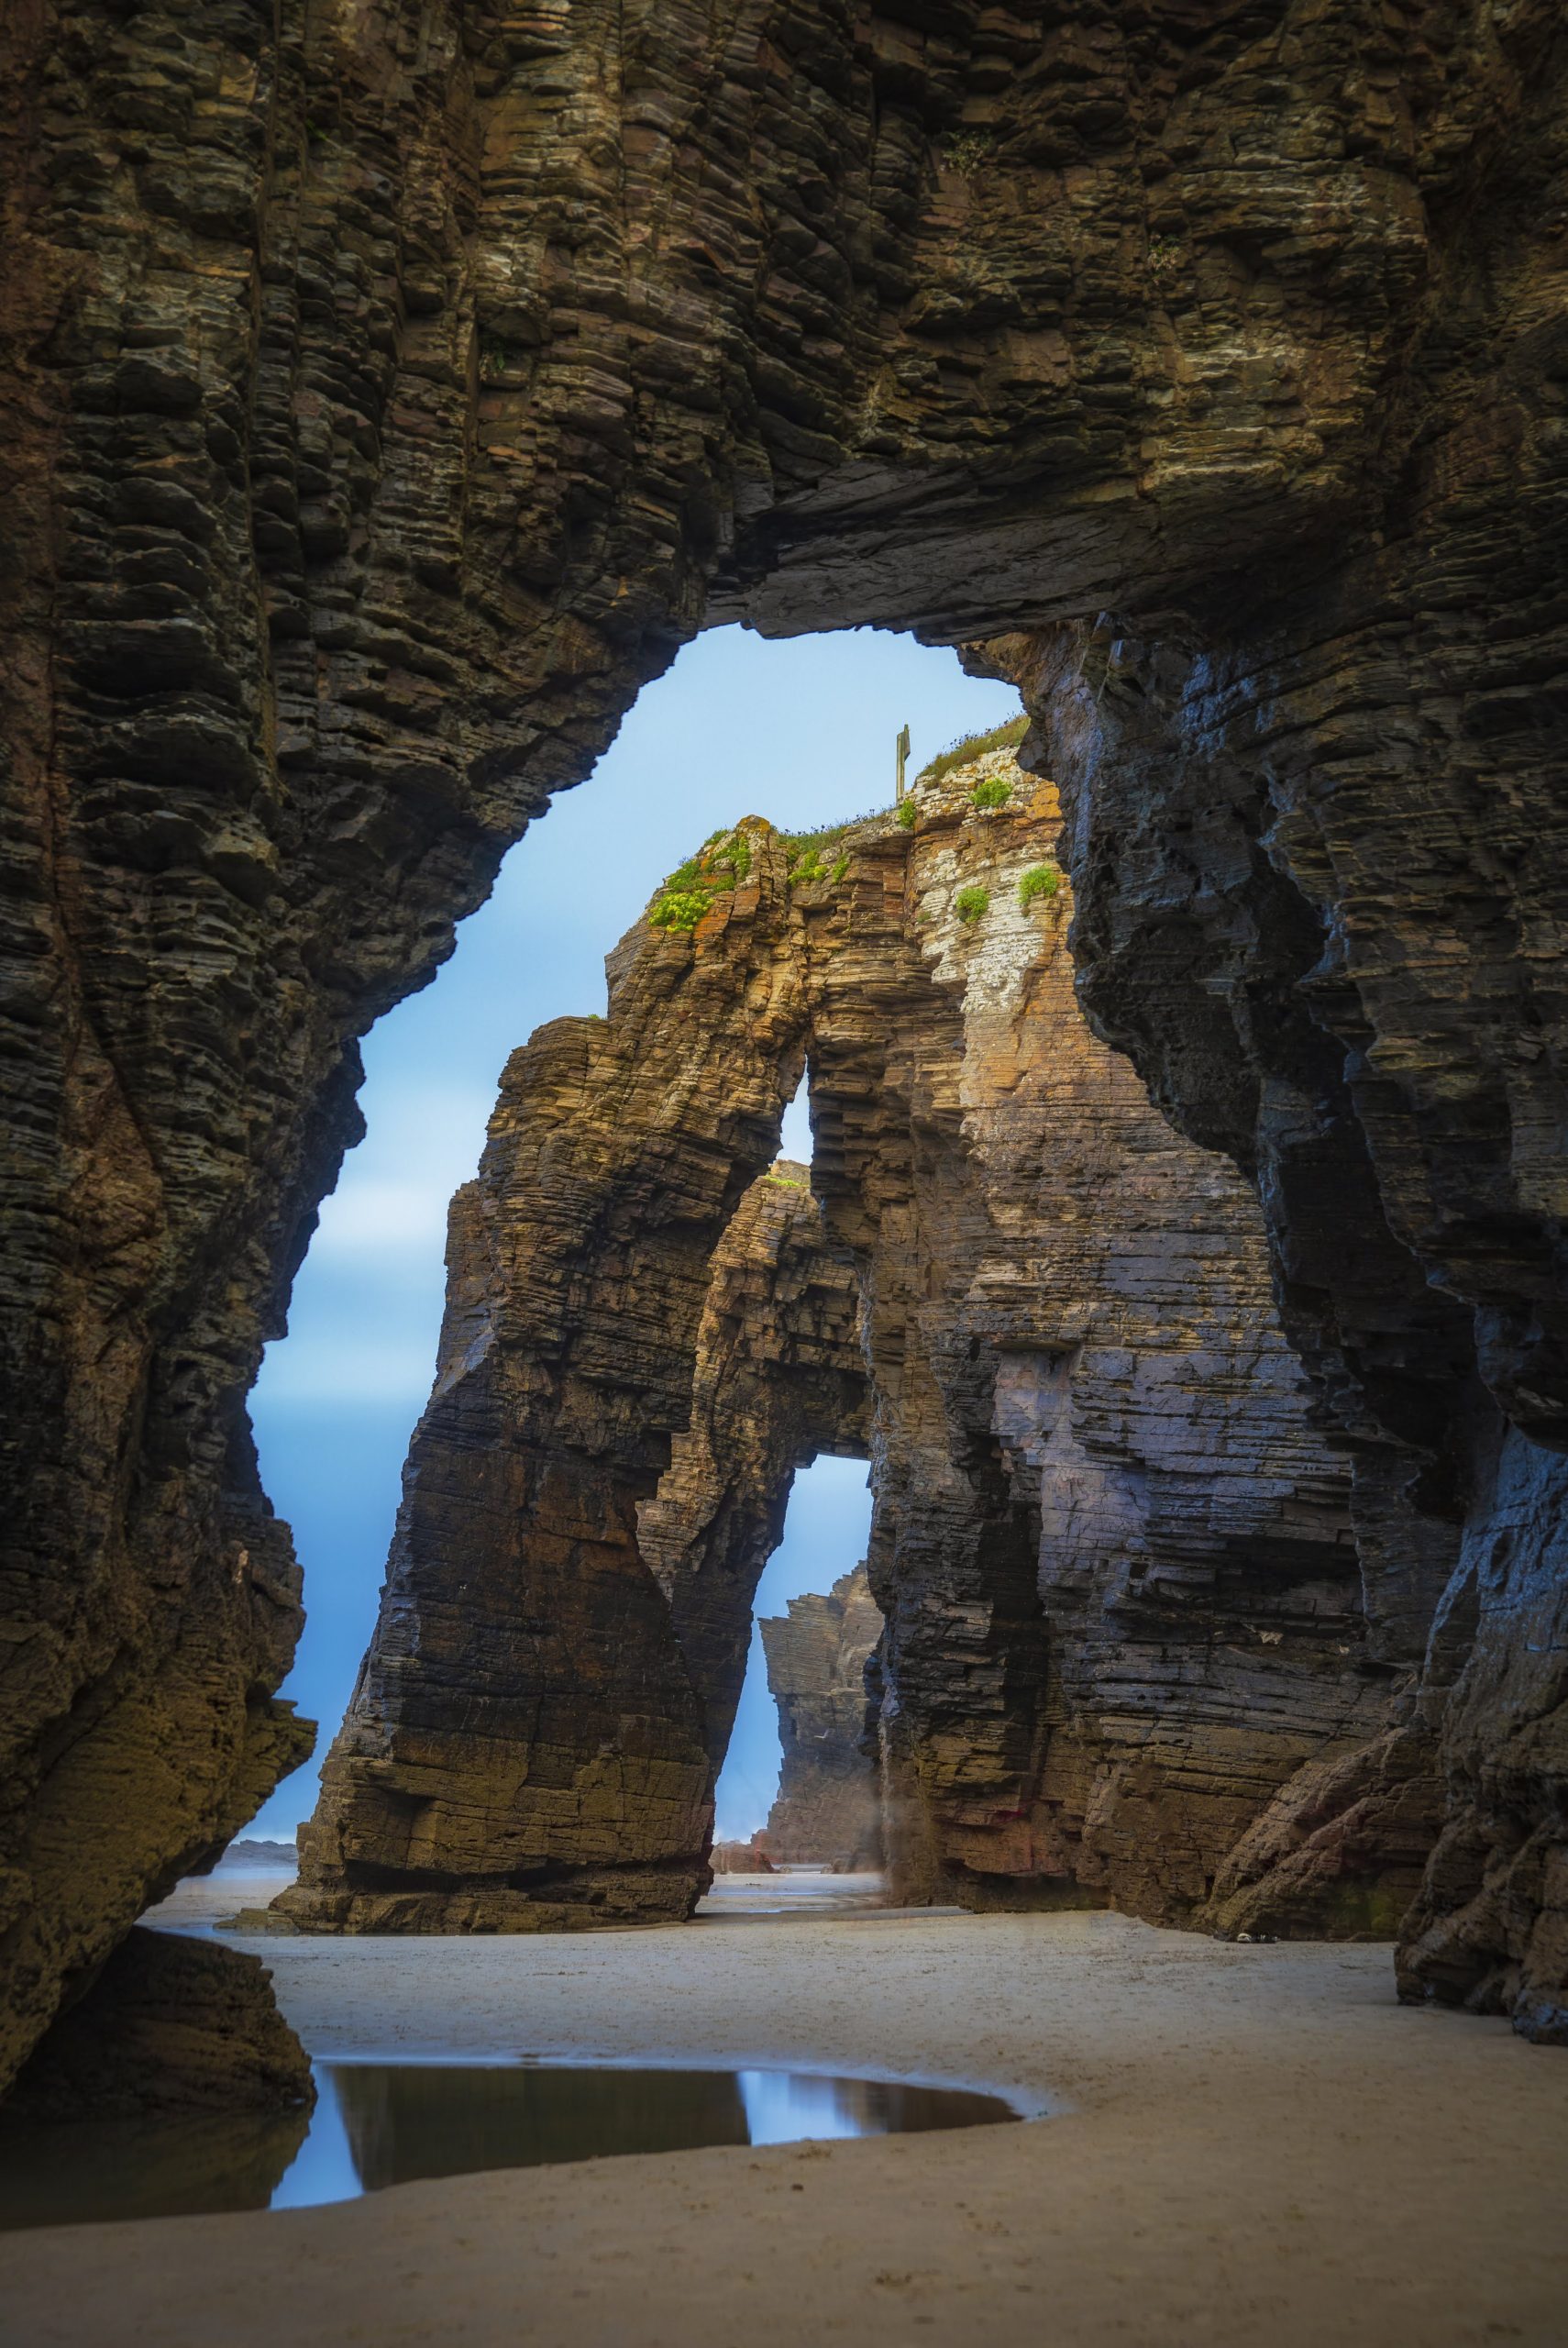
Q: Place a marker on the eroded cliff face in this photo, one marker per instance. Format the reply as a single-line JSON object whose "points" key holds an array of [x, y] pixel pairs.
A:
{"points": [[386, 393], [526, 1746], [1121, 1598], [828, 1808]]}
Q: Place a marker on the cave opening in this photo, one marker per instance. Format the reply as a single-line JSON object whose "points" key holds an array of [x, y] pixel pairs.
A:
{"points": [[801, 728], [827, 1527]]}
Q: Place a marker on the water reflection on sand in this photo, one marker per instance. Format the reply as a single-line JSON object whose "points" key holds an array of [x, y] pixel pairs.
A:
{"points": [[381, 2123]]}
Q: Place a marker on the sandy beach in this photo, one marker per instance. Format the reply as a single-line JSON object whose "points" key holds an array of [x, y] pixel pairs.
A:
{"points": [[1248, 2145]]}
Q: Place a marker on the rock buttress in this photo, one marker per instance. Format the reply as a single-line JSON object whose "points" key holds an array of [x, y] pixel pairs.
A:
{"points": [[1114, 1554], [526, 1748], [171, 2024], [779, 1379], [386, 395], [828, 1807]]}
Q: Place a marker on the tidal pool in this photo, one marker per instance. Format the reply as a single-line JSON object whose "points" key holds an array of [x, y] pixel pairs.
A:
{"points": [[379, 2123]]}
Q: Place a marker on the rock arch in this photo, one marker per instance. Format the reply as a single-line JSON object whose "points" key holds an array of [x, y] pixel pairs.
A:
{"points": [[1122, 1599], [388, 394]]}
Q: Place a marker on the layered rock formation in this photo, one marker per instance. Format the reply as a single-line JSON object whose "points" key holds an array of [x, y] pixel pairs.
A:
{"points": [[545, 1708], [387, 393], [779, 1378], [828, 1807], [1122, 1597]]}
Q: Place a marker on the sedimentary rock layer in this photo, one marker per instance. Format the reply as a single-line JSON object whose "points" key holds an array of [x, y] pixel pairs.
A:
{"points": [[525, 1747], [535, 1735], [828, 1807], [386, 393], [1121, 1596], [779, 1379]]}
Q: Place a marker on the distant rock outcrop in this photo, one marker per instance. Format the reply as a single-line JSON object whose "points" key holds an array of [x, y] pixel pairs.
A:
{"points": [[740, 1858], [829, 1804]]}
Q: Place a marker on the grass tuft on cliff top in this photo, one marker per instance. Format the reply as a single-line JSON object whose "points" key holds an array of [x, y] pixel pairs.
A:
{"points": [[722, 862], [679, 909], [969, 746]]}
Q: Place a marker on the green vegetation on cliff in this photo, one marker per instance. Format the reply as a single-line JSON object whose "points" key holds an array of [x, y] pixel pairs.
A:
{"points": [[722, 862], [970, 746]]}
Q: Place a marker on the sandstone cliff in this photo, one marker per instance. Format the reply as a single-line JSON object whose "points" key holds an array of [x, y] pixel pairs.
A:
{"points": [[387, 393], [546, 1705], [828, 1808], [1122, 1597]]}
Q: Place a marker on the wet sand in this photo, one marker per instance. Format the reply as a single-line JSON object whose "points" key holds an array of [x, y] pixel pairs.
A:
{"points": [[211, 1902], [1252, 2146]]}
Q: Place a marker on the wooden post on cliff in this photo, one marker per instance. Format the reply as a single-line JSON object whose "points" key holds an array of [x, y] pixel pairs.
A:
{"points": [[901, 747]]}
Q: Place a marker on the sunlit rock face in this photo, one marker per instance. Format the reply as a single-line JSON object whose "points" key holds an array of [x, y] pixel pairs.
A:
{"points": [[828, 1809], [1121, 1598], [387, 393], [527, 1746]]}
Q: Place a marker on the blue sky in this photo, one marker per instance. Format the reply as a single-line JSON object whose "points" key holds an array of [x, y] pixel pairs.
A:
{"points": [[799, 731]]}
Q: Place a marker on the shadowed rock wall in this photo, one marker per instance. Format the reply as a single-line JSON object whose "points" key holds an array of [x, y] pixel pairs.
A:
{"points": [[779, 1378], [386, 393], [173, 2024], [828, 1807]]}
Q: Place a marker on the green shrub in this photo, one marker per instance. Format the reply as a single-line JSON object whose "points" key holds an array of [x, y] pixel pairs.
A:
{"points": [[972, 905], [991, 791], [839, 870], [970, 746], [965, 151], [722, 862], [907, 814], [1040, 880], [680, 908]]}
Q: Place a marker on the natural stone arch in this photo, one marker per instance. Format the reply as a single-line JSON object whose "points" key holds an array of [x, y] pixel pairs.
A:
{"points": [[377, 421], [1122, 1603]]}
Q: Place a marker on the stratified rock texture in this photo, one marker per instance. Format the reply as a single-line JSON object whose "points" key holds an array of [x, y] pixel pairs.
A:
{"points": [[1121, 1598], [386, 393], [171, 2024], [526, 1748], [779, 1378], [1114, 1556], [829, 1806], [535, 1735]]}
